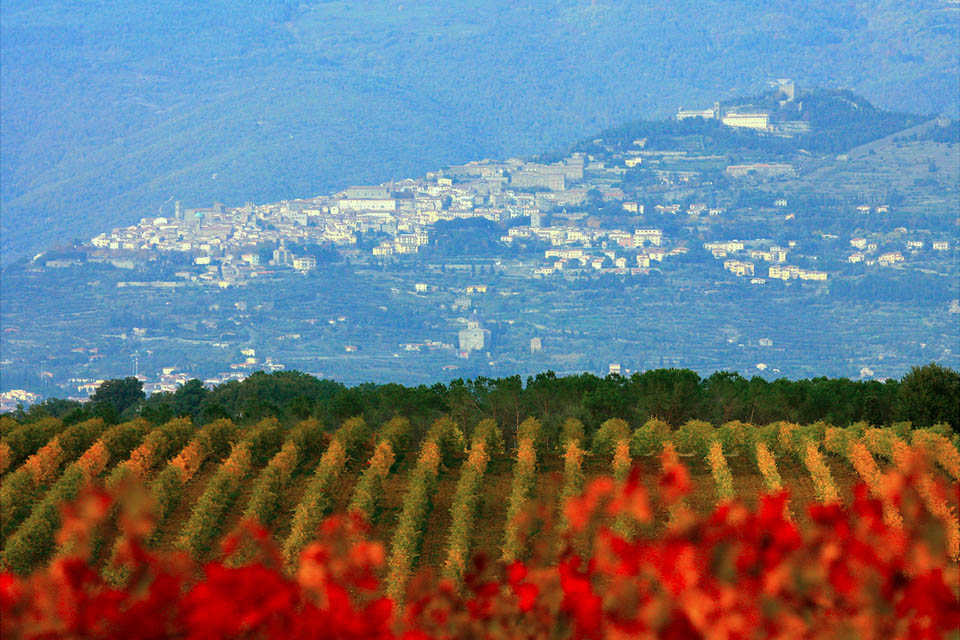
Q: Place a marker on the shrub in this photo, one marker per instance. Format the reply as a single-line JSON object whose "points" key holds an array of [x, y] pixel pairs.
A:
{"points": [[767, 465], [572, 483], [769, 435], [530, 429], [837, 441], [940, 449], [397, 432], [674, 483], [489, 433], [448, 437], [366, 493], [909, 462], [823, 484], [23, 440], [880, 441], [789, 439], [621, 466], [867, 468]]}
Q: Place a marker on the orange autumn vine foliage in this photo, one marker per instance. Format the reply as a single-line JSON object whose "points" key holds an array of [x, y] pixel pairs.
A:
{"points": [[43, 465], [867, 467], [189, 460], [941, 449], [823, 484], [141, 459], [933, 494], [738, 572], [6, 456]]}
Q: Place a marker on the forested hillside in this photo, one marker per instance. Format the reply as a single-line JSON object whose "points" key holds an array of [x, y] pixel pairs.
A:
{"points": [[111, 112]]}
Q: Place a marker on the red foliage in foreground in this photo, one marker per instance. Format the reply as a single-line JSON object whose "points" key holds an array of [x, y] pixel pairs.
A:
{"points": [[739, 573]]}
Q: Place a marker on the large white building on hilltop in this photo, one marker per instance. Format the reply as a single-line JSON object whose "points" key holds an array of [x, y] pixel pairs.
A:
{"points": [[756, 120]]}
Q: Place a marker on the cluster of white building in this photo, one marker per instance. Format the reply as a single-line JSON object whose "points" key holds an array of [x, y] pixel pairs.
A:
{"points": [[866, 250], [225, 240]]}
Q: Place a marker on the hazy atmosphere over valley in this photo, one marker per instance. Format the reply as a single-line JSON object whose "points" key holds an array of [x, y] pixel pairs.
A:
{"points": [[416, 319], [768, 188], [113, 111]]}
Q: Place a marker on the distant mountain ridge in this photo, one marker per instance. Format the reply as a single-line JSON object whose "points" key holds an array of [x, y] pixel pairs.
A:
{"points": [[111, 113]]}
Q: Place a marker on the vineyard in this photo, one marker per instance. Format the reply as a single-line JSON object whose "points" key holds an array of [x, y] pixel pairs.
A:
{"points": [[258, 497]]}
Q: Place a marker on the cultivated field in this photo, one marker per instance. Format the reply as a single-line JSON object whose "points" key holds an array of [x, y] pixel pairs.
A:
{"points": [[684, 528], [436, 502]]}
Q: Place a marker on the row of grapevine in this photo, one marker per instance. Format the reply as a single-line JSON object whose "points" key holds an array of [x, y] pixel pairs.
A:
{"points": [[220, 493], [823, 484], [745, 572], [845, 444], [264, 504], [212, 442], [22, 487], [318, 498], [443, 436], [613, 439], [940, 449], [886, 443], [159, 445], [801, 442], [674, 483], [23, 440], [720, 471], [573, 478], [485, 440], [32, 542], [391, 438], [524, 479], [767, 465], [265, 497]]}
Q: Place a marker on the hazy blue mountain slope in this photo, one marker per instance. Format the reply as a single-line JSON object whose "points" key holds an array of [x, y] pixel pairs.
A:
{"points": [[110, 112]]}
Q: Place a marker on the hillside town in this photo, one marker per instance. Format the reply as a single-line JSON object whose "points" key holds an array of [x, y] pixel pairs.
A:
{"points": [[710, 233], [221, 245]]}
